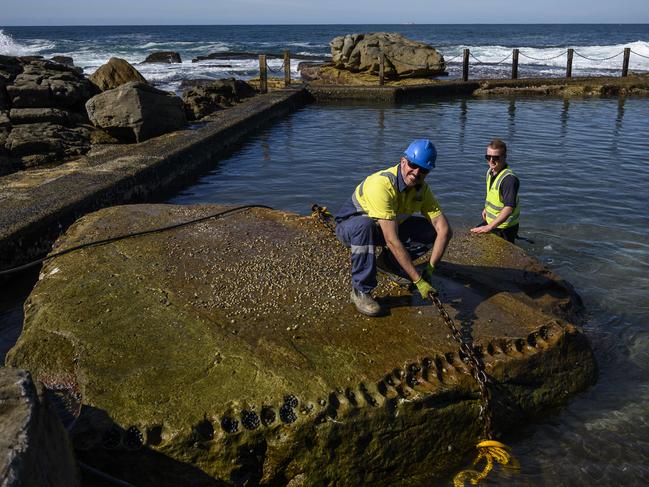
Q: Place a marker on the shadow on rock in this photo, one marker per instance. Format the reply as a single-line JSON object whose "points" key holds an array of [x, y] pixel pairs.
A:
{"points": [[126, 454]]}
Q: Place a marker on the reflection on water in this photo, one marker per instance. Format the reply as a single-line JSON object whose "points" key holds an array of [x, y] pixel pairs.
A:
{"points": [[585, 192]]}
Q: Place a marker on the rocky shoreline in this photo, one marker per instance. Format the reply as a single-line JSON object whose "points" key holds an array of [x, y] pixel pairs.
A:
{"points": [[50, 112]]}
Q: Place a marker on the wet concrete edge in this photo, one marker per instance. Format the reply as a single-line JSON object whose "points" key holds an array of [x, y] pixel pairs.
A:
{"points": [[325, 93]]}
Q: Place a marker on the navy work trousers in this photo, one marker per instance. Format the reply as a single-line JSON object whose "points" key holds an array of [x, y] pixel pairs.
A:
{"points": [[363, 235]]}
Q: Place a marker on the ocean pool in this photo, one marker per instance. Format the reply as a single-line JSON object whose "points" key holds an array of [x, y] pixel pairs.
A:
{"points": [[584, 170]]}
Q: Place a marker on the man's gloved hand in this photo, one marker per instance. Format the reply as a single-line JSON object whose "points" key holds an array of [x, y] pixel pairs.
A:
{"points": [[428, 272], [424, 288]]}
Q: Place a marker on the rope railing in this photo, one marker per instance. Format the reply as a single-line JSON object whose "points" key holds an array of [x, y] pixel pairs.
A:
{"points": [[265, 68], [544, 58], [488, 63], [641, 55], [598, 59], [451, 59], [276, 70]]}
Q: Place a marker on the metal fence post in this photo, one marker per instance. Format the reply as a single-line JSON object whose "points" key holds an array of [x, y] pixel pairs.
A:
{"points": [[263, 74], [571, 52]]}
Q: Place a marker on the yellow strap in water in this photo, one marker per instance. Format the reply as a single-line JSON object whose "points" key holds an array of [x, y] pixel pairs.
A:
{"points": [[490, 451]]}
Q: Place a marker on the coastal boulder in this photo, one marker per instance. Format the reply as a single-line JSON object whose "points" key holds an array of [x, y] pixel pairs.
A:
{"points": [[226, 352], [167, 57], [403, 57], [205, 98], [40, 143], [42, 112], [114, 73], [34, 446], [134, 112], [45, 84]]}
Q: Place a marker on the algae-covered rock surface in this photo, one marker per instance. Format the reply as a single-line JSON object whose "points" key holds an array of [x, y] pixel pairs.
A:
{"points": [[226, 352]]}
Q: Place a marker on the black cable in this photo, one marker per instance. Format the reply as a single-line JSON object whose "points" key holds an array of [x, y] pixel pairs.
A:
{"points": [[128, 235], [104, 475]]}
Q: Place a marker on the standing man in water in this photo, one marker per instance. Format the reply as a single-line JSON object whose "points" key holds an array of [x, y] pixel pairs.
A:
{"points": [[501, 209], [379, 214]]}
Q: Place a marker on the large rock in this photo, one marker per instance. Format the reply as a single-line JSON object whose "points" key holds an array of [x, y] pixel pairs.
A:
{"points": [[136, 112], [45, 84], [205, 98], [167, 57], [230, 349], [41, 143], [42, 112], [114, 73], [39, 115], [327, 74], [34, 446], [403, 57]]}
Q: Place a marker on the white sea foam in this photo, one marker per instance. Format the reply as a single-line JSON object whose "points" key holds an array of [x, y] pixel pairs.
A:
{"points": [[594, 59], [10, 47]]}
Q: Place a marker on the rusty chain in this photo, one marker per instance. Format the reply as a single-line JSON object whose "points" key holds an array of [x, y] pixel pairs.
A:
{"points": [[467, 353], [477, 369]]}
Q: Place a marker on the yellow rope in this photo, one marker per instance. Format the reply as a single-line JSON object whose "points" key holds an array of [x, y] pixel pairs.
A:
{"points": [[489, 451]]}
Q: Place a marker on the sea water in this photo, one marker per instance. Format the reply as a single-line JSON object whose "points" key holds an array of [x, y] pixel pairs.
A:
{"points": [[598, 47]]}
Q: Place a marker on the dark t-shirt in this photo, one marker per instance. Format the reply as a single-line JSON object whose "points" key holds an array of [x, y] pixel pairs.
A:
{"points": [[509, 190]]}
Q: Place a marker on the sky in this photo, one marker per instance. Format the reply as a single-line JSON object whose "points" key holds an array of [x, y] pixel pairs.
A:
{"points": [[210, 12]]}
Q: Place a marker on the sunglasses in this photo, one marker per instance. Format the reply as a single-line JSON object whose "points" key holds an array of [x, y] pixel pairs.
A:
{"points": [[415, 166], [489, 157]]}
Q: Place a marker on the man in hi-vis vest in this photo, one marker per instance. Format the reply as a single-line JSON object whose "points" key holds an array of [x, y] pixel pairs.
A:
{"points": [[501, 209], [379, 214]]}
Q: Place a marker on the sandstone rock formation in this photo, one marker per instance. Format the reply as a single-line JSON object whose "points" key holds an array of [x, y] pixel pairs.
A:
{"points": [[42, 114], [34, 446], [403, 57], [327, 74], [209, 96], [114, 73], [134, 112], [167, 57], [228, 350]]}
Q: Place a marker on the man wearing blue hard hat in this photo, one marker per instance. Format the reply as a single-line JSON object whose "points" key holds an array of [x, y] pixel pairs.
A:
{"points": [[380, 215]]}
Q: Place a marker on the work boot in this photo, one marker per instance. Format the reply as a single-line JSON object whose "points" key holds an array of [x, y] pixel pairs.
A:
{"points": [[365, 303], [392, 270]]}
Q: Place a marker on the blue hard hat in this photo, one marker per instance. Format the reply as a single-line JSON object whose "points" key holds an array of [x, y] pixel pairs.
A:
{"points": [[422, 152]]}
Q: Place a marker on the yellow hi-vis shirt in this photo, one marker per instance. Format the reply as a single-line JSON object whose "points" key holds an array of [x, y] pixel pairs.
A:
{"points": [[381, 196]]}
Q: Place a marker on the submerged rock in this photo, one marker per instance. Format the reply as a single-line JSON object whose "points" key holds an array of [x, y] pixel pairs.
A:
{"points": [[228, 350], [67, 60], [167, 57]]}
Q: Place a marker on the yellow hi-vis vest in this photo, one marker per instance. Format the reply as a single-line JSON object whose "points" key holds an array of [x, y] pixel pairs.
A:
{"points": [[493, 204], [378, 197]]}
